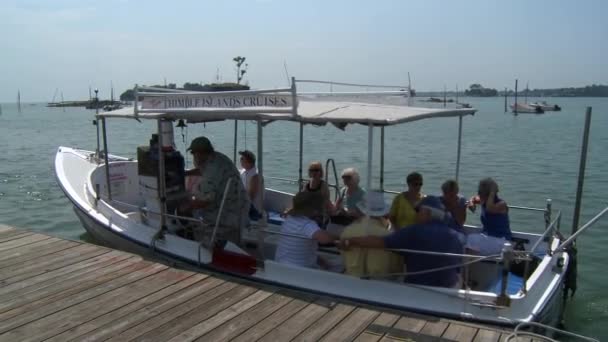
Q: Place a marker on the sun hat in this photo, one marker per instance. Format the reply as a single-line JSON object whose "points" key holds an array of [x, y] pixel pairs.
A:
{"points": [[306, 203], [200, 144], [373, 204], [248, 155]]}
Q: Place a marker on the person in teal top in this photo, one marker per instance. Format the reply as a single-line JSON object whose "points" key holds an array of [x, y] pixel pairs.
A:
{"points": [[346, 210]]}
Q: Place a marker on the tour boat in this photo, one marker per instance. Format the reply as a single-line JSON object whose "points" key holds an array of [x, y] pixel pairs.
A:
{"points": [[120, 206]]}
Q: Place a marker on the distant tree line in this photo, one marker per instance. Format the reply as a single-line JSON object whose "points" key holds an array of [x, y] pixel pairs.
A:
{"points": [[129, 94], [478, 90], [594, 90]]}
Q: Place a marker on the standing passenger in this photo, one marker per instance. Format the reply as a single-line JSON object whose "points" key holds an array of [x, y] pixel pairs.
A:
{"points": [[207, 196], [253, 184]]}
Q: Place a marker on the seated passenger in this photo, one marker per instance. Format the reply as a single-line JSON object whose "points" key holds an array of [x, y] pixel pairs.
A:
{"points": [[317, 184], [253, 184], [455, 205], [361, 262], [494, 220], [301, 250], [346, 207], [430, 233], [208, 194], [402, 212]]}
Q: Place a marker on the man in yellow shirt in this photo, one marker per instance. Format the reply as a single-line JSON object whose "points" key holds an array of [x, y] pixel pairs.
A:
{"points": [[370, 262]]}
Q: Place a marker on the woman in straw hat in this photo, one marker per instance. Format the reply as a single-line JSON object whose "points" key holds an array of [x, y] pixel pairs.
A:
{"points": [[302, 234]]}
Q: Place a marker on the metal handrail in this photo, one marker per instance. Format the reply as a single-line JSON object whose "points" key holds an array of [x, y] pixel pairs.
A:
{"points": [[157, 213], [333, 168], [573, 237], [294, 181], [549, 229]]}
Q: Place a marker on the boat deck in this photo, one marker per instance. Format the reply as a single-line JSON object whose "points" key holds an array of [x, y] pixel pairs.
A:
{"points": [[61, 290]]}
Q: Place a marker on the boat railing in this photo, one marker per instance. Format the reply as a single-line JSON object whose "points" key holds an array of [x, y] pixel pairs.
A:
{"points": [[146, 210]]}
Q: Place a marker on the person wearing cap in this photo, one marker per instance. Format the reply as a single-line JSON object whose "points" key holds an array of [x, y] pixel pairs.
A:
{"points": [[430, 233], [253, 183], [217, 170], [298, 246], [370, 262]]}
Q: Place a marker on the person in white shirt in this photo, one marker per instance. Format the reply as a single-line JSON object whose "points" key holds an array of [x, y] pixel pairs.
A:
{"points": [[253, 183], [302, 234]]}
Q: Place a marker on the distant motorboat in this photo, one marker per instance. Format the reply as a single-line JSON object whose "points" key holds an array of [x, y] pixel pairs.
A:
{"points": [[545, 106], [525, 108]]}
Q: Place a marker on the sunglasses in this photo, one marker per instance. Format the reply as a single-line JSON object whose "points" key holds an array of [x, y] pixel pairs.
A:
{"points": [[346, 177], [314, 170], [416, 184]]}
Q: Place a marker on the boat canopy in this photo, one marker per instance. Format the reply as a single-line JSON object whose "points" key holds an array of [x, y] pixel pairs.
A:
{"points": [[274, 105]]}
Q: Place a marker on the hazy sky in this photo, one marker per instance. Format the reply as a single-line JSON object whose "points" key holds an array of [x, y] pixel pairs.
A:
{"points": [[71, 44]]}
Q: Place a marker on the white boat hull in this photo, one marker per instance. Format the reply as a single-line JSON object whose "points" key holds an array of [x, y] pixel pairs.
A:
{"points": [[119, 230]]}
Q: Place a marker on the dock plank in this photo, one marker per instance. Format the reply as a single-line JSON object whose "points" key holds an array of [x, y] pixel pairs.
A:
{"points": [[485, 335], [13, 235], [201, 313], [234, 310], [31, 268], [298, 322], [64, 274], [235, 327], [51, 290], [22, 241], [22, 315], [72, 316], [352, 325], [30, 248], [20, 256], [216, 288], [124, 311], [277, 318], [459, 332], [378, 328], [328, 321], [57, 290]]}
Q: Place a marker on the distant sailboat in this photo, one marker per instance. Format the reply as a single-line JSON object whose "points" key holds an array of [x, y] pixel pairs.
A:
{"points": [[19, 101]]}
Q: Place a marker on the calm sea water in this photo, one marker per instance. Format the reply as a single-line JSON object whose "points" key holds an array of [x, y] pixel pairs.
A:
{"points": [[533, 157]]}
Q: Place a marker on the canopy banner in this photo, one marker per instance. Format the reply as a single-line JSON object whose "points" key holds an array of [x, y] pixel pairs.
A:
{"points": [[186, 101]]}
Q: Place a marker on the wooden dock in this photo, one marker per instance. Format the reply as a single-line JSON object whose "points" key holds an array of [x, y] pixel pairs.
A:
{"points": [[59, 290]]}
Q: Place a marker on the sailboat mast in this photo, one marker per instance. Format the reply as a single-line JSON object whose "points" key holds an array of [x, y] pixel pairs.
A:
{"points": [[515, 106], [62, 102], [526, 94], [19, 101]]}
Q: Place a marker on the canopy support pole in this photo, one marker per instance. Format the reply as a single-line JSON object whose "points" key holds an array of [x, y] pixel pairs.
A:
{"points": [[459, 147], [105, 157], [260, 159], [382, 158], [581, 171], [236, 131], [370, 150], [300, 180], [162, 187]]}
